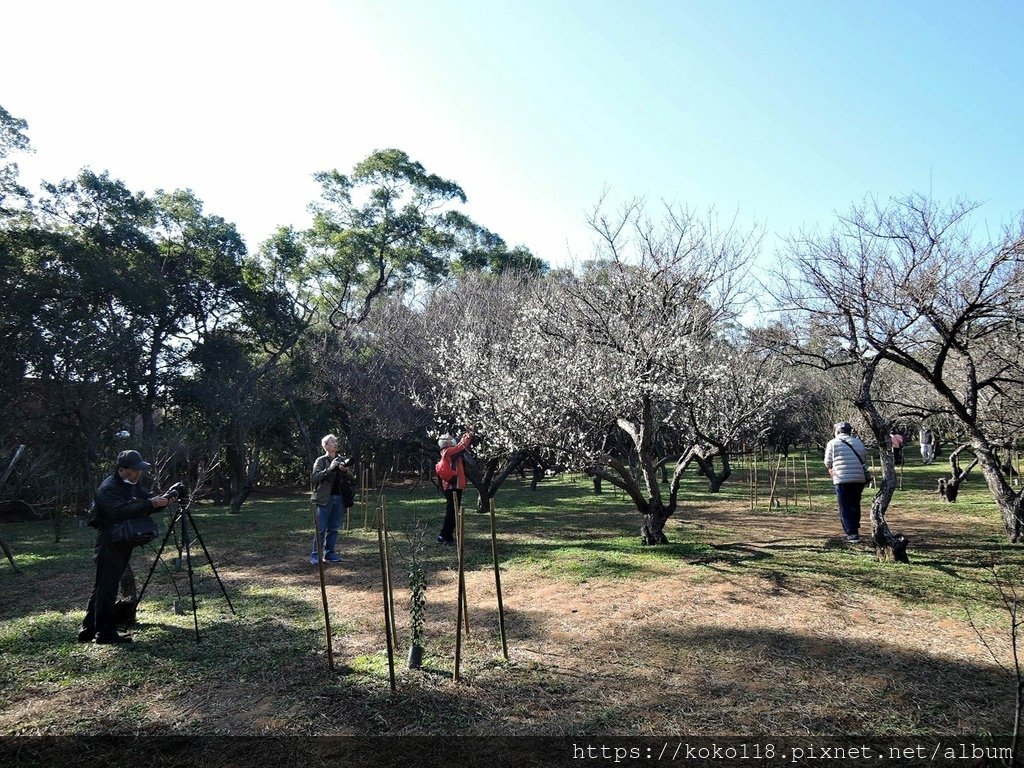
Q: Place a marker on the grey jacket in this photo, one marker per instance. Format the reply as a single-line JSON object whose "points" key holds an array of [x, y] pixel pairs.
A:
{"points": [[847, 457], [323, 479]]}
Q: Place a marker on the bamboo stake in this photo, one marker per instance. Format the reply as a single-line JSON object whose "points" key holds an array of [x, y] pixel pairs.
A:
{"points": [[387, 561], [461, 592], [772, 500], [388, 619], [365, 495], [754, 501], [750, 481], [323, 584], [7, 551], [460, 529], [807, 480], [785, 482], [497, 584], [796, 484], [7, 473]]}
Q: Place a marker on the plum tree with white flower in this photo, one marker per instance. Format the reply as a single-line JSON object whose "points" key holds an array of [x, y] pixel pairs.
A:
{"points": [[642, 342]]}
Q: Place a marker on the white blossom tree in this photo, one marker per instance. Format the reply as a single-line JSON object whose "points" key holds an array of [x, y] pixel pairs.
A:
{"points": [[911, 284], [641, 343]]}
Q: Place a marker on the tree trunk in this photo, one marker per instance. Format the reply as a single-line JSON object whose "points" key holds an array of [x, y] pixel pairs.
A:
{"points": [[887, 543], [597, 484], [653, 530], [950, 489], [706, 463], [1008, 501], [242, 487], [538, 475], [493, 478]]}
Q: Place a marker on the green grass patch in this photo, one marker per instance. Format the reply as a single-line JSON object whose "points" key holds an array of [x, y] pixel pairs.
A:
{"points": [[264, 666]]}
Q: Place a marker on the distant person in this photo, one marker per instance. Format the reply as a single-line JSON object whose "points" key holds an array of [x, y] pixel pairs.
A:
{"points": [[897, 441], [927, 445], [120, 497], [451, 476], [334, 494], [846, 460]]}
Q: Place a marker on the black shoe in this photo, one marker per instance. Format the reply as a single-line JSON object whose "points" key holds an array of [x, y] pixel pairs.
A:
{"points": [[86, 635], [114, 639], [443, 540]]}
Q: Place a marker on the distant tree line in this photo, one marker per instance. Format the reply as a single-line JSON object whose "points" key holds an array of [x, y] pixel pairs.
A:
{"points": [[394, 317]]}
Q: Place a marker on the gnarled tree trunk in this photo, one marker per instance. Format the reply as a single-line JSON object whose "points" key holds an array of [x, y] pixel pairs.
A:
{"points": [[950, 489], [887, 544]]}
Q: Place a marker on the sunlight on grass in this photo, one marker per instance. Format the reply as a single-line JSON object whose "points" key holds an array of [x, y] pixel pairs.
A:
{"points": [[562, 533]]}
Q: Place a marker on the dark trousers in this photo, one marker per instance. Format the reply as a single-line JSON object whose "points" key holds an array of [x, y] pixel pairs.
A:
{"points": [[111, 560], [849, 495], [452, 497]]}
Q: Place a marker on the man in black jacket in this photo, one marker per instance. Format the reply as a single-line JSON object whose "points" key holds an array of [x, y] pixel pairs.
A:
{"points": [[119, 498]]}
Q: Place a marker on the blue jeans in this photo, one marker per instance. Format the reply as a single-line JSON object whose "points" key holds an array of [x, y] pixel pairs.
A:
{"points": [[849, 495], [328, 519]]}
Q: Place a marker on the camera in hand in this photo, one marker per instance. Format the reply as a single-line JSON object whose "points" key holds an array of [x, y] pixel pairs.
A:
{"points": [[178, 492]]}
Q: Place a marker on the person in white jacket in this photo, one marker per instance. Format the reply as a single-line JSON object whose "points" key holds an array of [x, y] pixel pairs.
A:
{"points": [[846, 459]]}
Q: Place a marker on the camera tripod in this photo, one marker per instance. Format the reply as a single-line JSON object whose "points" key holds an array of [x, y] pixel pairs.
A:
{"points": [[184, 515]]}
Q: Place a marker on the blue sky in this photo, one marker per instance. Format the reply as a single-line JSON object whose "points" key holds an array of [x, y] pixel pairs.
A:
{"points": [[782, 113]]}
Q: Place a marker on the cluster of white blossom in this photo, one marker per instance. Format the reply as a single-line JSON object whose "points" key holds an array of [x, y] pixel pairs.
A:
{"points": [[633, 362]]}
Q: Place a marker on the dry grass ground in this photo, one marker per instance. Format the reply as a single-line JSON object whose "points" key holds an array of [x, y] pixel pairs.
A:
{"points": [[749, 624]]}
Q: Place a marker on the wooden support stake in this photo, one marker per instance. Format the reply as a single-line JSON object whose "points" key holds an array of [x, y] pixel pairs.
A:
{"points": [[388, 618], [365, 493], [7, 473], [323, 584], [497, 584], [753, 502], [7, 551], [387, 561], [785, 482], [460, 529], [807, 480], [461, 592], [772, 501]]}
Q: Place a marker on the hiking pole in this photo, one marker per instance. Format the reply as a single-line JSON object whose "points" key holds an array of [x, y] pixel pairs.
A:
{"points": [[323, 583], [497, 585], [388, 618]]}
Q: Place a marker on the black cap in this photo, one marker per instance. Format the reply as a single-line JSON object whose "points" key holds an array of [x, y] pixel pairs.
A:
{"points": [[131, 460]]}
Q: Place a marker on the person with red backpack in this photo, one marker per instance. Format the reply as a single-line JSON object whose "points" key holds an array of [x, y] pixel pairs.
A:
{"points": [[451, 476]]}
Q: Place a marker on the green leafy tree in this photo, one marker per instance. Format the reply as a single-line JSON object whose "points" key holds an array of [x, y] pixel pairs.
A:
{"points": [[384, 228], [13, 196]]}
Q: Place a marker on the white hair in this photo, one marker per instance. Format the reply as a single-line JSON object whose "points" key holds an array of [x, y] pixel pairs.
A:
{"points": [[327, 439], [444, 441]]}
